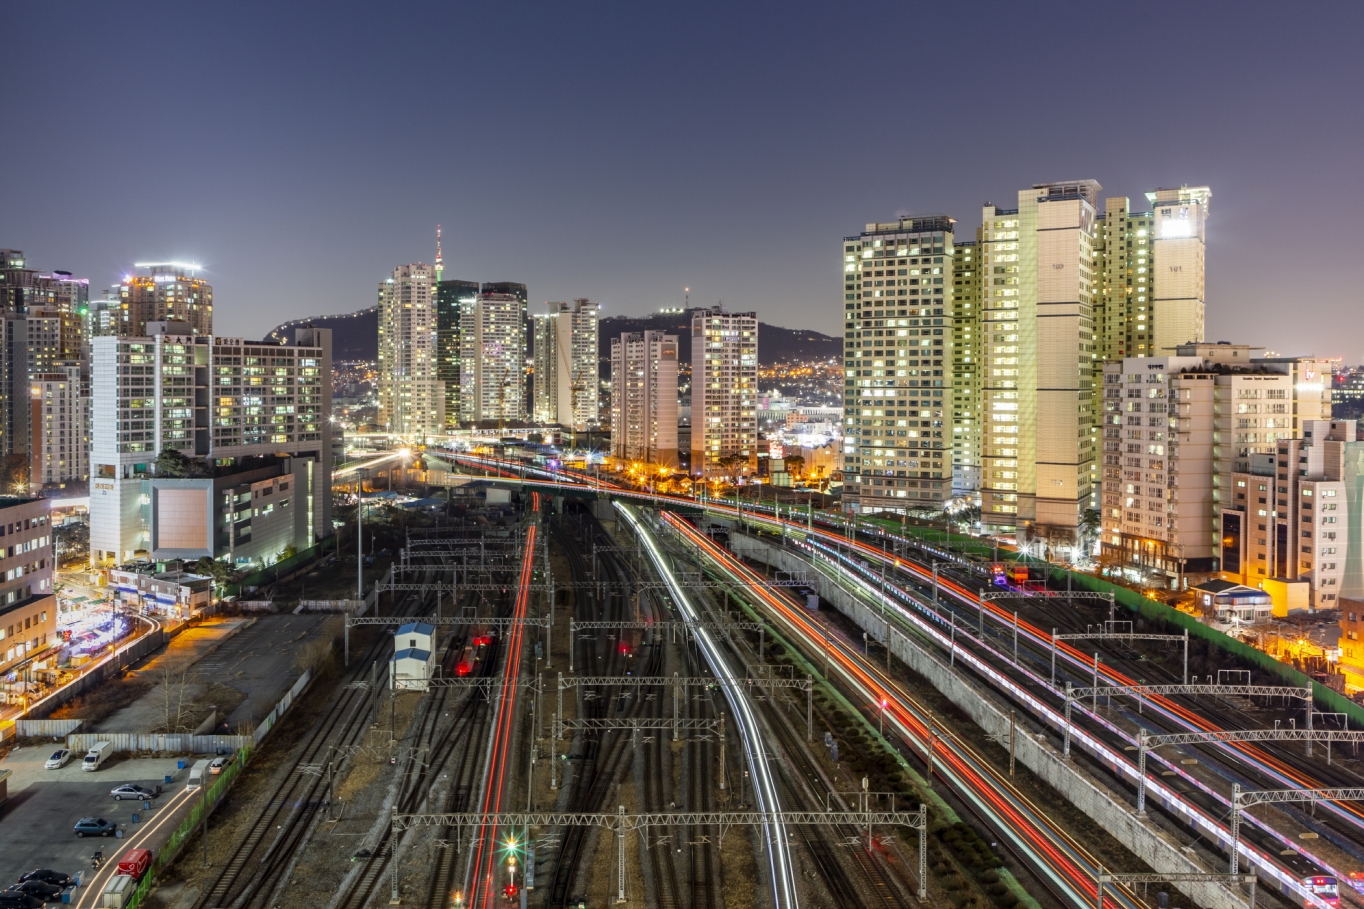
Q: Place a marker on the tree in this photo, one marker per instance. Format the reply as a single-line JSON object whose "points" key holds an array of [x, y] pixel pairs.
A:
{"points": [[729, 464], [1091, 525], [221, 572], [176, 693], [172, 464], [794, 464]]}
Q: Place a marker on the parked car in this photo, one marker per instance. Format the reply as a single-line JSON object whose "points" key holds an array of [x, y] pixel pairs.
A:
{"points": [[13, 899], [220, 764], [95, 826], [47, 876], [131, 791], [58, 759], [48, 893]]}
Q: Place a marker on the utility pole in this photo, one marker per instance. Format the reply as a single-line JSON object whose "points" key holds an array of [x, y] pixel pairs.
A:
{"points": [[360, 540]]}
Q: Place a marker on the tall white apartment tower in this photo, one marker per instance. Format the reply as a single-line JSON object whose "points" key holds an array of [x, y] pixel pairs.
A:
{"points": [[492, 358], [1179, 253], [724, 391], [565, 387], [644, 397], [898, 353], [411, 393], [1037, 325]]}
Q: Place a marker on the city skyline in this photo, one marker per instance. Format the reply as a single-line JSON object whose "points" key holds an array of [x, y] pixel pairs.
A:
{"points": [[672, 155]]}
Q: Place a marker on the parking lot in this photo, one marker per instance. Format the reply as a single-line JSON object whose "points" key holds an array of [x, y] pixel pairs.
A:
{"points": [[36, 821]]}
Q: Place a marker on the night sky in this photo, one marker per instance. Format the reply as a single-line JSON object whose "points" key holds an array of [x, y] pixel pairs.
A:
{"points": [[623, 152]]}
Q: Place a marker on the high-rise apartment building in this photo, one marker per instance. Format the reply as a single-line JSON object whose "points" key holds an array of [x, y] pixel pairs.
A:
{"points": [[59, 426], [724, 392], [169, 291], [1178, 433], [35, 342], [453, 297], [1037, 326], [965, 349], [1150, 267], [644, 397], [22, 287], [41, 334], [898, 307], [411, 393], [566, 368], [1159, 465], [252, 422], [520, 292], [492, 359]]}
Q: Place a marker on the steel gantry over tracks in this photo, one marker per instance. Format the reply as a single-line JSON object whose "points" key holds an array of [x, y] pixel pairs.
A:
{"points": [[1104, 878], [1109, 632], [1241, 800], [677, 683], [621, 822], [1142, 692], [1146, 741]]}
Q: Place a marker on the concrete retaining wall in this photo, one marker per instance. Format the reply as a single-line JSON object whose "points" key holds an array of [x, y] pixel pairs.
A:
{"points": [[1107, 809], [278, 710]]}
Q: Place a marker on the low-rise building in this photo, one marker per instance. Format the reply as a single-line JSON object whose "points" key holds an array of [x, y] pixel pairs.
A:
{"points": [[1228, 603], [174, 593], [414, 656]]}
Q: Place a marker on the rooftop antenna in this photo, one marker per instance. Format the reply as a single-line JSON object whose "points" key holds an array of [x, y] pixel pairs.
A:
{"points": [[440, 267], [687, 299]]}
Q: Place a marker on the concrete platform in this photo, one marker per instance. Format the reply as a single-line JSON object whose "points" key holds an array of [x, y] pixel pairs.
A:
{"points": [[260, 662], [36, 821]]}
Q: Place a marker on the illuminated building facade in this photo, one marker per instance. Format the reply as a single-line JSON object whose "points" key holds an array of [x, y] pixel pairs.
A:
{"points": [[453, 297], [492, 359], [1037, 329], [644, 397], [566, 368], [411, 393], [169, 291], [257, 413], [28, 608], [1180, 435], [724, 392], [898, 396], [59, 425]]}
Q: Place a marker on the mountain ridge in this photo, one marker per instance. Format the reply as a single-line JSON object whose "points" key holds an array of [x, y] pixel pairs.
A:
{"points": [[355, 336]]}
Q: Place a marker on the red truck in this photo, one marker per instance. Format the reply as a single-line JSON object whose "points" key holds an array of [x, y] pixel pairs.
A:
{"points": [[135, 863]]}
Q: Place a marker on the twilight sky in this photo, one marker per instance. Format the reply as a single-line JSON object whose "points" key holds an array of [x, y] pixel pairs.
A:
{"points": [[624, 151]]}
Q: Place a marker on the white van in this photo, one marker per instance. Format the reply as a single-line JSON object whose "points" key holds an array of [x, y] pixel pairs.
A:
{"points": [[97, 755], [196, 775]]}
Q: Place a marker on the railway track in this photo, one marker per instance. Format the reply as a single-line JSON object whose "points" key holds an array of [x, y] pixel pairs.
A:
{"points": [[459, 735], [255, 865], [601, 758]]}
